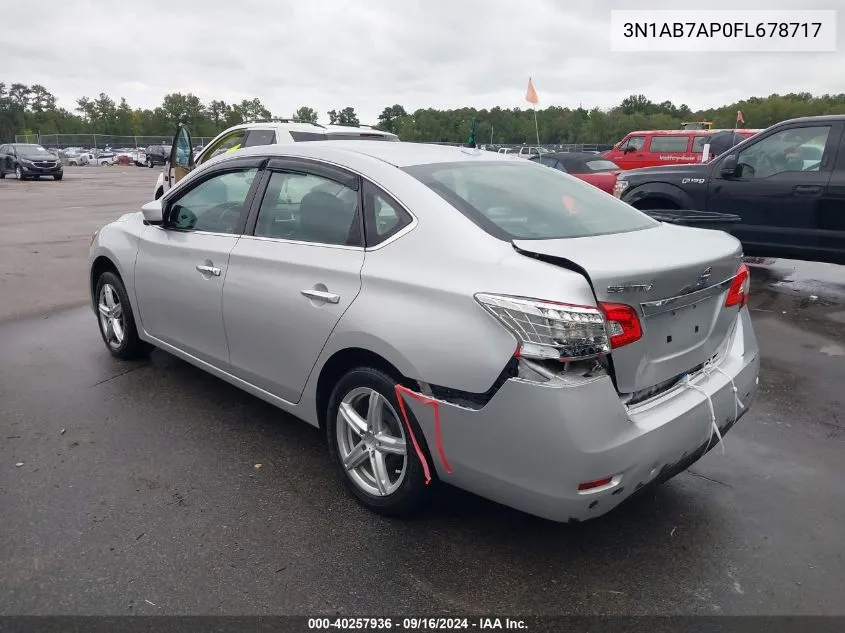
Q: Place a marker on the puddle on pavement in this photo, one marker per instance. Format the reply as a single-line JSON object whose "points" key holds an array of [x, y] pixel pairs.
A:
{"points": [[809, 294]]}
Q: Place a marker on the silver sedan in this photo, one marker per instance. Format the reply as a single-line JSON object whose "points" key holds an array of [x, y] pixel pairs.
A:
{"points": [[443, 314]]}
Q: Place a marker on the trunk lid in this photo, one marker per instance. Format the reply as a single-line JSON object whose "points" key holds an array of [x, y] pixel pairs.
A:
{"points": [[673, 276]]}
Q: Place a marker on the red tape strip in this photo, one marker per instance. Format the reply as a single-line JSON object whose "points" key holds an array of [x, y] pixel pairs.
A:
{"points": [[434, 404]]}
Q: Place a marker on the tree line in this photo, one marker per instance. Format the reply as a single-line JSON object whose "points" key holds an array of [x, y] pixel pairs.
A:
{"points": [[33, 110]]}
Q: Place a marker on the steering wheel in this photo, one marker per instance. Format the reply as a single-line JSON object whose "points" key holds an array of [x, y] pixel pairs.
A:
{"points": [[228, 216], [767, 164]]}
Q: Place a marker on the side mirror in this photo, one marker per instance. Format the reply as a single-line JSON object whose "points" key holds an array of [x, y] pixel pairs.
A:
{"points": [[729, 167], [152, 212]]}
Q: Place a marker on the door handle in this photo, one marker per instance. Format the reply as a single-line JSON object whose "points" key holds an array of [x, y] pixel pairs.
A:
{"points": [[209, 270], [321, 295], [807, 190]]}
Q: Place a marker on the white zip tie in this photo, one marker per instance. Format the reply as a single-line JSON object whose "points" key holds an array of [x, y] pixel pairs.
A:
{"points": [[715, 427], [737, 402]]}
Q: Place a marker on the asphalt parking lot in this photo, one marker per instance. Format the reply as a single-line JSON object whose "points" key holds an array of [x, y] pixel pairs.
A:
{"points": [[138, 493]]}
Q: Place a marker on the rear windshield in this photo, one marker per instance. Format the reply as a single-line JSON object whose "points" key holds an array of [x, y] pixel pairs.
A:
{"points": [[602, 165], [522, 200]]}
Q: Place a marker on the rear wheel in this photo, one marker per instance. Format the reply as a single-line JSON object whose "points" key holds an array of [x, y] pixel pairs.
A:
{"points": [[370, 446], [117, 325], [149, 162]]}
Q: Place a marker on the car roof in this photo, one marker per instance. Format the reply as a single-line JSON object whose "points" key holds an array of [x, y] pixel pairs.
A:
{"points": [[398, 154]]}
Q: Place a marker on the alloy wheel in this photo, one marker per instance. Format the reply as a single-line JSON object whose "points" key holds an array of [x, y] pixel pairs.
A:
{"points": [[111, 316], [18, 173], [371, 442]]}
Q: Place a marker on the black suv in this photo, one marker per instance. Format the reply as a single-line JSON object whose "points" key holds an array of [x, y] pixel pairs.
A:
{"points": [[27, 160], [157, 155]]}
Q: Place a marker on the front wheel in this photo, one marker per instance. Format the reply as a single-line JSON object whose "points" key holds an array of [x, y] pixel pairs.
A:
{"points": [[117, 325], [149, 163], [19, 173], [370, 444], [58, 176]]}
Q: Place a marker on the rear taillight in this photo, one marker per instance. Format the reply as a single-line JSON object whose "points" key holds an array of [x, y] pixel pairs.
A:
{"points": [[550, 330], [740, 287], [623, 324]]}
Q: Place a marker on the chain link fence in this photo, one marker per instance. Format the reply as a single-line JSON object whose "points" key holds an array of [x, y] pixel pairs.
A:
{"points": [[109, 141], [100, 141]]}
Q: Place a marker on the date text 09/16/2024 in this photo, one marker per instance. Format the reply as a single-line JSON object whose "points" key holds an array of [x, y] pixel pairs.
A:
{"points": [[417, 624]]}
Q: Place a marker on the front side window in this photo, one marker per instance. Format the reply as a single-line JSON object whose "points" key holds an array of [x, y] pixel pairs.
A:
{"points": [[669, 144], [214, 205], [229, 142], [797, 149], [309, 208], [633, 144], [519, 201]]}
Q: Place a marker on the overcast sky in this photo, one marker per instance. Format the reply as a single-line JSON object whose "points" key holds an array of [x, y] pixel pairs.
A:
{"points": [[372, 53]]}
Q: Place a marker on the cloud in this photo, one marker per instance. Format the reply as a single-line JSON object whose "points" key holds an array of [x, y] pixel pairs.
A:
{"points": [[370, 54]]}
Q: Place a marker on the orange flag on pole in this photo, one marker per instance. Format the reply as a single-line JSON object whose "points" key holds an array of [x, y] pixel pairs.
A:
{"points": [[531, 94]]}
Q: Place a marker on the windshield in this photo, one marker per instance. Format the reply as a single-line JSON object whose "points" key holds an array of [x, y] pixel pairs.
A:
{"points": [[526, 201], [30, 147]]}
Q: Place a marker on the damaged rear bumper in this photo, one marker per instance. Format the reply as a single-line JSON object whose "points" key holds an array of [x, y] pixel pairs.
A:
{"points": [[533, 444]]}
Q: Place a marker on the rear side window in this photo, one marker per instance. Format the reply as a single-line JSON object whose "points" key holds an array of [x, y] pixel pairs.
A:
{"points": [[363, 136], [514, 200], [299, 137], [260, 137], [309, 208], [669, 144], [699, 142]]}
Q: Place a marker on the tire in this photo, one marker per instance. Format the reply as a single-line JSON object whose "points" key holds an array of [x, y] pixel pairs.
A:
{"points": [[58, 176], [401, 493], [2, 174], [129, 346], [149, 163], [19, 173]]}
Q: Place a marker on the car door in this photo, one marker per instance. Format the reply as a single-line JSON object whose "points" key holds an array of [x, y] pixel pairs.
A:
{"points": [[778, 189], [632, 153], [181, 155], [182, 265], [293, 274]]}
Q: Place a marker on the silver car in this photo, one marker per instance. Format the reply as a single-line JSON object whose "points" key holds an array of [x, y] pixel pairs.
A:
{"points": [[444, 314]]}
